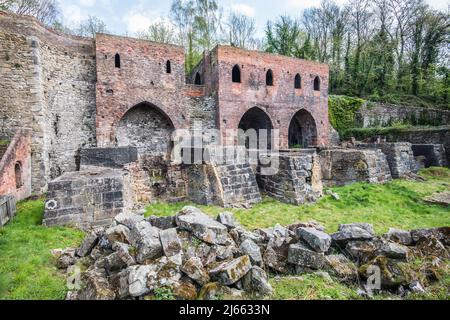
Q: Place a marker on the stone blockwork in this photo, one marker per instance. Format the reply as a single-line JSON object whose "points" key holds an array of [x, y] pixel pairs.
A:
{"points": [[88, 198], [432, 155], [346, 166], [108, 157], [48, 85], [374, 114], [400, 157], [154, 178], [298, 179], [15, 166]]}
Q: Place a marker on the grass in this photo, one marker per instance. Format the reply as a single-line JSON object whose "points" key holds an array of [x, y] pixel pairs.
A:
{"points": [[397, 204], [4, 142], [311, 287], [27, 270]]}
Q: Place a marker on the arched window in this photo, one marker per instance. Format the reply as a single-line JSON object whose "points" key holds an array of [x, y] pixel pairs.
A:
{"points": [[298, 81], [168, 67], [236, 74], [269, 78], [317, 84], [117, 60], [18, 175], [198, 79]]}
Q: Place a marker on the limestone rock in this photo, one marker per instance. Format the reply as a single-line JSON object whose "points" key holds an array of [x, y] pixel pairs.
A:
{"points": [[119, 284], [225, 252], [128, 220], [355, 231], [185, 290], [318, 240], [66, 259], [302, 256], [227, 219], [394, 250], [276, 254], [162, 223], [311, 224], [432, 247], [202, 226], [165, 273], [231, 272], [95, 286], [111, 263], [145, 239], [256, 281], [442, 234], [124, 253], [248, 247], [119, 233], [400, 236], [215, 291], [170, 242], [137, 279], [342, 268], [193, 268], [89, 242], [361, 251]]}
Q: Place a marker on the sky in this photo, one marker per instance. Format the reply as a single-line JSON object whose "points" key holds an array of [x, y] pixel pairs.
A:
{"points": [[131, 16]]}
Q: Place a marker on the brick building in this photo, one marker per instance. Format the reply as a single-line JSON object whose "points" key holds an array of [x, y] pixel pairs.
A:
{"points": [[76, 93]]}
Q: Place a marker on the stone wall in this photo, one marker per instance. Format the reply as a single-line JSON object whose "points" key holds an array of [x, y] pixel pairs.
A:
{"points": [[107, 157], [15, 166], [433, 155], [400, 157], [374, 114], [298, 179], [88, 199], [47, 85], [347, 166]]}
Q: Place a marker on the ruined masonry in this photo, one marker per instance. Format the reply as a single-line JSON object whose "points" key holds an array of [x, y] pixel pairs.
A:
{"points": [[91, 122]]}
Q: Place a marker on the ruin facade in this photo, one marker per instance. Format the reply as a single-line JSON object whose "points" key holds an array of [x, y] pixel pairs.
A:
{"points": [[92, 121]]}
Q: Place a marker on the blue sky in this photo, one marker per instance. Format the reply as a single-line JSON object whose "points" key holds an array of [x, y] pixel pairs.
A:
{"points": [[128, 17]]}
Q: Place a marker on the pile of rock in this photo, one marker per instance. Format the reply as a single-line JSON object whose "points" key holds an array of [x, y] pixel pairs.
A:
{"points": [[193, 256]]}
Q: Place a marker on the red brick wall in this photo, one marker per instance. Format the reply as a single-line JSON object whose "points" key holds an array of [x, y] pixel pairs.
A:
{"points": [[141, 78], [19, 150], [281, 102]]}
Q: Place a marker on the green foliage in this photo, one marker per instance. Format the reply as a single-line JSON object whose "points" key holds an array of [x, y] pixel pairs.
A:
{"points": [[164, 293], [342, 111], [27, 268], [4, 142], [366, 133]]}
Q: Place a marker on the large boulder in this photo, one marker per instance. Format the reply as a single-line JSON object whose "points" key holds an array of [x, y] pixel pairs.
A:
{"points": [[96, 286], [202, 226], [185, 290], [276, 254], [257, 282], [162, 223], [354, 231], [302, 256], [399, 236], [119, 233], [193, 268], [442, 234], [137, 279], [229, 273], [394, 250], [361, 251], [227, 219], [119, 283], [145, 239], [166, 273], [124, 252], [317, 240], [342, 268], [248, 247], [170, 242], [128, 220], [89, 242]]}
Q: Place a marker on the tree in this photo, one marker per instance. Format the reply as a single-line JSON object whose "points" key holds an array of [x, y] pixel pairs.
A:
{"points": [[207, 23], [46, 11], [91, 26], [241, 30], [160, 31], [283, 36]]}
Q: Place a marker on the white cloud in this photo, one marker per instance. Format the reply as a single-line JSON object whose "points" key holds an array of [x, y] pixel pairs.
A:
{"points": [[73, 15], [244, 9]]}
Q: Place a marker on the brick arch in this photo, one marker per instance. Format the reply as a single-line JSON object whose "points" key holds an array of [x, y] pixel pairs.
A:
{"points": [[302, 129], [147, 127], [256, 118]]}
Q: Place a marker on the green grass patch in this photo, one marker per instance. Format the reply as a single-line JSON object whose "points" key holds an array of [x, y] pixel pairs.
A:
{"points": [[397, 204], [4, 142], [27, 269], [311, 287], [395, 131]]}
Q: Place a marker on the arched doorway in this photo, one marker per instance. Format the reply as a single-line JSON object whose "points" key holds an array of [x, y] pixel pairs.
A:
{"points": [[255, 130], [302, 131], [147, 128]]}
